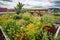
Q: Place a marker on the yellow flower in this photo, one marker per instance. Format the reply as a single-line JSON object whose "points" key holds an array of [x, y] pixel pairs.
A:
{"points": [[4, 19], [38, 23], [31, 28]]}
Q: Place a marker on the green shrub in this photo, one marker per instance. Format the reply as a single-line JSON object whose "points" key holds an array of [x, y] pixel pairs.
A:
{"points": [[15, 16], [18, 8]]}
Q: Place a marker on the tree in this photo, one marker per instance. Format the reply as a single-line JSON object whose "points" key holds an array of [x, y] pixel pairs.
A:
{"points": [[18, 8]]}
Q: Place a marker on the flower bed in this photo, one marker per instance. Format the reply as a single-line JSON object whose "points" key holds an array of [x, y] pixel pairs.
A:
{"points": [[27, 27]]}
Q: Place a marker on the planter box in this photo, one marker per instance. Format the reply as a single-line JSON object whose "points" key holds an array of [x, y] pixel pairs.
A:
{"points": [[3, 34]]}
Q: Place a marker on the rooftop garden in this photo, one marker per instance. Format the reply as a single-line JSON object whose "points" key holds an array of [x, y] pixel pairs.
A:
{"points": [[23, 25]]}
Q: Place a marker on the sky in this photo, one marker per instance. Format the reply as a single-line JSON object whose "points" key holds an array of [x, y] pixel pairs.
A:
{"points": [[30, 3]]}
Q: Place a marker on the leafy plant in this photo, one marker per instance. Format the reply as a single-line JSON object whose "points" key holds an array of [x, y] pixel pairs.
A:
{"points": [[18, 8], [15, 16], [47, 19], [26, 16], [11, 28]]}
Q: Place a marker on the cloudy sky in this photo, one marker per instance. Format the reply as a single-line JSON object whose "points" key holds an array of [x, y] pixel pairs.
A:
{"points": [[30, 3]]}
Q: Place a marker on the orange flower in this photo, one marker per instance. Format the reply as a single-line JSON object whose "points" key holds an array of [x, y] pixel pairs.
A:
{"points": [[18, 36]]}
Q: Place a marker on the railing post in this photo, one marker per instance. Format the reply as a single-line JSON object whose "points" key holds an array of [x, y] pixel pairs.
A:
{"points": [[56, 34]]}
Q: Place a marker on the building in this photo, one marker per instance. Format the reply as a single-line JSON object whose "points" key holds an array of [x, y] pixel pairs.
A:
{"points": [[4, 10], [37, 9]]}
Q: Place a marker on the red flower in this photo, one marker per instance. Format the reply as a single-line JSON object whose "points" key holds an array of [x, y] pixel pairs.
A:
{"points": [[50, 29]]}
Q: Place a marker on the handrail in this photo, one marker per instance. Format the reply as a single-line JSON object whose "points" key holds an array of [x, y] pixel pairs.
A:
{"points": [[56, 34]]}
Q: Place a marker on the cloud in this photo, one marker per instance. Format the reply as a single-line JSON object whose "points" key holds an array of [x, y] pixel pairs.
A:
{"points": [[29, 3], [33, 3], [8, 4]]}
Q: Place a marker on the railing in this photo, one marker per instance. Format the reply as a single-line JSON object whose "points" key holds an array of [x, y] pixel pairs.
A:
{"points": [[58, 25]]}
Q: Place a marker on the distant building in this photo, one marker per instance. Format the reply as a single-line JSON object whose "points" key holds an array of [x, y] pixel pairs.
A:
{"points": [[4, 10], [37, 9]]}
